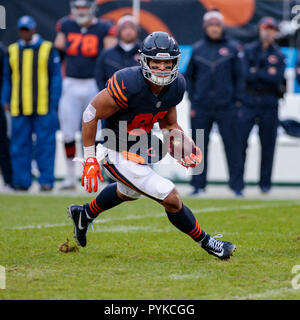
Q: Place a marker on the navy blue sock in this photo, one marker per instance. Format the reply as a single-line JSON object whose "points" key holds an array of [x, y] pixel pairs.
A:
{"points": [[106, 199], [185, 221]]}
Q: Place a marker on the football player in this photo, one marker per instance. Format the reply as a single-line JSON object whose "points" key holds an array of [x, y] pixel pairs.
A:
{"points": [[80, 39], [139, 96]]}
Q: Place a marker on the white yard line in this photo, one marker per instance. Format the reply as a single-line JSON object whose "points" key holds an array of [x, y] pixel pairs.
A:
{"points": [[124, 229], [157, 215], [265, 294], [250, 296], [185, 276]]}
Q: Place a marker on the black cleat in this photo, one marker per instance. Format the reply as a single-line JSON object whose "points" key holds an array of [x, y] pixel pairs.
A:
{"points": [[218, 248], [81, 223]]}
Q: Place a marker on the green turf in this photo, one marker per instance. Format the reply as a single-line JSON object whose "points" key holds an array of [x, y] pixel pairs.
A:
{"points": [[135, 253]]}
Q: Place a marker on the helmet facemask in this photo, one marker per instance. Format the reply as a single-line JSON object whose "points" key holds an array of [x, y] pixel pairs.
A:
{"points": [[158, 77]]}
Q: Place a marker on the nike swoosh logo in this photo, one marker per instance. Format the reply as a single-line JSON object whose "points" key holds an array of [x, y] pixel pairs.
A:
{"points": [[220, 254], [123, 86], [79, 223], [91, 167]]}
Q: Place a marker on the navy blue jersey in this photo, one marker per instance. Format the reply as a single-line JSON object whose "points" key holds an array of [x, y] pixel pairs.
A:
{"points": [[139, 107], [83, 45]]}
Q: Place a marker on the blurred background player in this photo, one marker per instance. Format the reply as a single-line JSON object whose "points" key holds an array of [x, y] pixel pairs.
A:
{"points": [[123, 54], [80, 39], [5, 163], [215, 88], [31, 91], [264, 66]]}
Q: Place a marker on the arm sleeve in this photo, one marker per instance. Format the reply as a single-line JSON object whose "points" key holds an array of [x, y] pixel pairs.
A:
{"points": [[6, 85], [55, 77]]}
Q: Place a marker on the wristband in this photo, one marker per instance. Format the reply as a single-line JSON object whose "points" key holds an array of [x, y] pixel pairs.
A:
{"points": [[89, 151]]}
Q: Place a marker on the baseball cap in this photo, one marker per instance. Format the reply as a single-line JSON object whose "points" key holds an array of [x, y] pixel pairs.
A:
{"points": [[268, 22], [26, 22]]}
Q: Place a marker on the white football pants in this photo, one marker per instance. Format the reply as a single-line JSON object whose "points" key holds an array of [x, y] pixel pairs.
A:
{"points": [[76, 95]]}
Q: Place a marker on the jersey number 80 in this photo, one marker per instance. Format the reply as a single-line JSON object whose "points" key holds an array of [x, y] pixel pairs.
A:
{"points": [[144, 122]]}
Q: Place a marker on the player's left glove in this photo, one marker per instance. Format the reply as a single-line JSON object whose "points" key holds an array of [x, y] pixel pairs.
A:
{"points": [[91, 171], [192, 160]]}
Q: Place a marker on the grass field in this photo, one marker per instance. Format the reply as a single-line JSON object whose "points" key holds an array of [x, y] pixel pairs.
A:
{"points": [[135, 253]]}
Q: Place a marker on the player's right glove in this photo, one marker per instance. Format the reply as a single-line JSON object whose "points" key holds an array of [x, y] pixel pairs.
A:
{"points": [[91, 171], [193, 160]]}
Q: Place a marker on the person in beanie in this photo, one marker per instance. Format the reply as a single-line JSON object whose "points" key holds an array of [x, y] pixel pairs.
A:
{"points": [[215, 85], [124, 54]]}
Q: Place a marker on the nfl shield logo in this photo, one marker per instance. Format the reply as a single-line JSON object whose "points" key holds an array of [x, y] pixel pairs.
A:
{"points": [[158, 104]]}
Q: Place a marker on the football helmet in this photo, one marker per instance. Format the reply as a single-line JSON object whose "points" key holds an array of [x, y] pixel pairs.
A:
{"points": [[82, 19], [159, 46]]}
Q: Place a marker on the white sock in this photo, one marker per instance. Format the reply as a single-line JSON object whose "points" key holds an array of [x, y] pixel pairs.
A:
{"points": [[70, 176]]}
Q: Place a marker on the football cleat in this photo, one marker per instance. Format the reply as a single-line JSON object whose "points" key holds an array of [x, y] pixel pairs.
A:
{"points": [[218, 248], [80, 222]]}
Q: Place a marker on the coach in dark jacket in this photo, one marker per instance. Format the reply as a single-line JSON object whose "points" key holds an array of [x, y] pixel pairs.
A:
{"points": [[215, 85], [124, 54], [265, 66]]}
